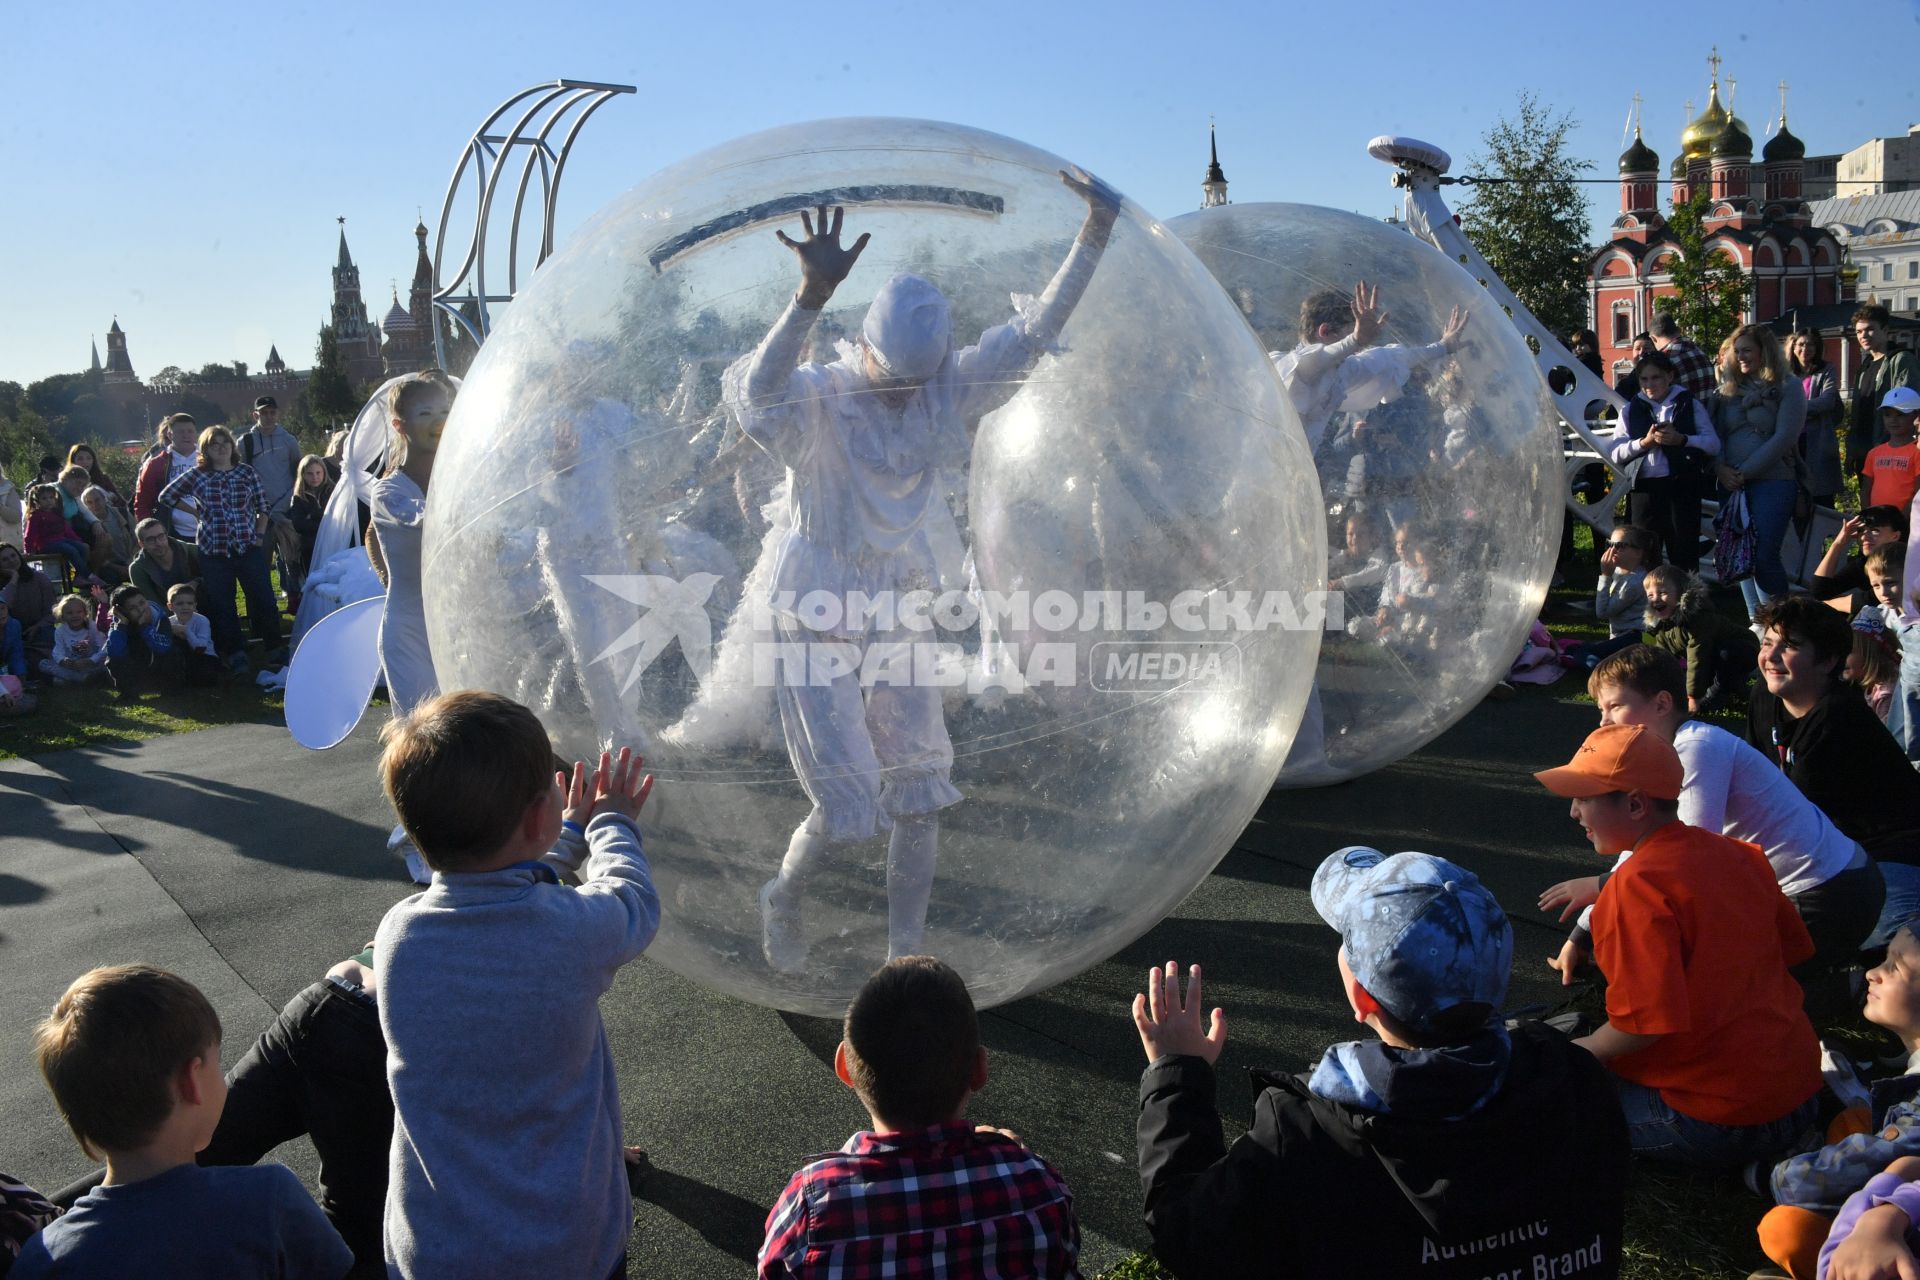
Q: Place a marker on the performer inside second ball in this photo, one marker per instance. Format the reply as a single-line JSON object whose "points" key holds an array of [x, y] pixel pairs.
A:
{"points": [[864, 440]]}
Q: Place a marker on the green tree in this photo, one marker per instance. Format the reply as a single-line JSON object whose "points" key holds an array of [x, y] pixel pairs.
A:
{"points": [[1711, 301], [1531, 224], [235, 372], [330, 397], [72, 408], [24, 440]]}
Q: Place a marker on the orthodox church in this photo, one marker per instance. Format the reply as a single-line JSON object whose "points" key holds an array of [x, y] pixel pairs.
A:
{"points": [[1756, 214]]}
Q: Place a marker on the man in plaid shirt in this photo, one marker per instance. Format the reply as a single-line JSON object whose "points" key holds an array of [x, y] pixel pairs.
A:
{"points": [[922, 1193], [1692, 367]]}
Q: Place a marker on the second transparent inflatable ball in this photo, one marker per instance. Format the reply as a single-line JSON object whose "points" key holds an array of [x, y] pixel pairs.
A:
{"points": [[1438, 457]]}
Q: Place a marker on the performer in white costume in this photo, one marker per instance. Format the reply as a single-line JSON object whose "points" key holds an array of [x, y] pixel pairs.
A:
{"points": [[864, 440], [418, 410], [1328, 373]]}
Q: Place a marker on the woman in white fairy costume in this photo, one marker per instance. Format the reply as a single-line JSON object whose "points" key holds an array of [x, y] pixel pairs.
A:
{"points": [[864, 440]]}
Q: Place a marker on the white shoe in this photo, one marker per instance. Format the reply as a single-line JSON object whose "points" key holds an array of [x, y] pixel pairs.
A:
{"points": [[417, 868], [782, 940]]}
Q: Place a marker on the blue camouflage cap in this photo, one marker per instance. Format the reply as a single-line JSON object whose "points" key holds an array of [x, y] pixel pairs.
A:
{"points": [[1422, 935]]}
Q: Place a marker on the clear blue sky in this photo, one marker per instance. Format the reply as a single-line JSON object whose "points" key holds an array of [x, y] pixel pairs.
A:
{"points": [[181, 166]]}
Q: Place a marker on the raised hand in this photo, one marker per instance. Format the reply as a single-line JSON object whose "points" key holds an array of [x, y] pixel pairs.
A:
{"points": [[823, 263], [1103, 204], [1456, 325], [579, 805], [1169, 1026], [1368, 318], [621, 784]]}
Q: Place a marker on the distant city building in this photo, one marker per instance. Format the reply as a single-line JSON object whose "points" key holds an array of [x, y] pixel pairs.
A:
{"points": [[1880, 166], [409, 330], [1822, 175], [371, 352], [1213, 188], [358, 338], [119, 365], [1881, 237], [1758, 215], [143, 404]]}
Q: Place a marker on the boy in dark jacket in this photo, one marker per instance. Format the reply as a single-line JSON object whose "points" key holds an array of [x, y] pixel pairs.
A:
{"points": [[1442, 1149], [1719, 653]]}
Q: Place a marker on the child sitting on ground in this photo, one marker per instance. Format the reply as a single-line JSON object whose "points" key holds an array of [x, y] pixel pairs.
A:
{"points": [[132, 1057], [79, 650], [189, 629], [1809, 1189], [1403, 616], [1712, 1054], [1721, 654], [1619, 597], [507, 1154], [1356, 566], [145, 651], [922, 1183], [1843, 569], [49, 530], [137, 643], [1437, 1150], [1874, 664], [1730, 788]]}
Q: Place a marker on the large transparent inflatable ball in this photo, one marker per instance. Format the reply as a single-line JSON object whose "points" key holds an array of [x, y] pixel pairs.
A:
{"points": [[932, 522], [1438, 453]]}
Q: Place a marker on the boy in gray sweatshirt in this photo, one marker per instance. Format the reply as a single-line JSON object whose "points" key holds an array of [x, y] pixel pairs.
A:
{"points": [[507, 1156]]}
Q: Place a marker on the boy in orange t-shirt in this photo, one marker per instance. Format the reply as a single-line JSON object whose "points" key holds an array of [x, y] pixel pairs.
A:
{"points": [[1712, 1054], [1894, 467]]}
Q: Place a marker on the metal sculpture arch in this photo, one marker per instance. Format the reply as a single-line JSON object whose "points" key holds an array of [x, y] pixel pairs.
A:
{"points": [[538, 112], [1576, 388]]}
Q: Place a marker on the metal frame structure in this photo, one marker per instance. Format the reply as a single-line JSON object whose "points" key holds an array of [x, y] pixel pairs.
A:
{"points": [[1422, 169], [489, 154]]}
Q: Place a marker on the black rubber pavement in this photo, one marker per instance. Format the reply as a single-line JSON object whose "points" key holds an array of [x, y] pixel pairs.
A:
{"points": [[249, 865]]}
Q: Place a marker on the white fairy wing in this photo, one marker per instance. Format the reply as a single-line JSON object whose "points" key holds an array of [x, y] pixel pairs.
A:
{"points": [[333, 674]]}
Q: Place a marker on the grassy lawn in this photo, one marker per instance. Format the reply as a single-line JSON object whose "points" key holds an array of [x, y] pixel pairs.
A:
{"points": [[90, 715]]}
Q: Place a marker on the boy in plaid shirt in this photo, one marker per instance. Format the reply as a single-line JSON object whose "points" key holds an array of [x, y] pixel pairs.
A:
{"points": [[922, 1193]]}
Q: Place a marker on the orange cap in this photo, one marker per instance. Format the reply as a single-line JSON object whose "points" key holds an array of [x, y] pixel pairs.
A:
{"points": [[1619, 757]]}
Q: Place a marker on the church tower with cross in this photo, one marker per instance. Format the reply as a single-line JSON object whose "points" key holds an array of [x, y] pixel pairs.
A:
{"points": [[1213, 189], [1755, 214]]}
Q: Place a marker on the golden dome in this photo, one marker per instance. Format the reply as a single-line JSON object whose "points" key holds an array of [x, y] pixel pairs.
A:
{"points": [[1696, 143]]}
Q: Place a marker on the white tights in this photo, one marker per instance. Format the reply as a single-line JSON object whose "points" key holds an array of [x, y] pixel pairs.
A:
{"points": [[911, 852]]}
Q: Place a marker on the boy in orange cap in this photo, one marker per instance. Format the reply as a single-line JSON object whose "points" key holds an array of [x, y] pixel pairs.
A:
{"points": [[1714, 1059]]}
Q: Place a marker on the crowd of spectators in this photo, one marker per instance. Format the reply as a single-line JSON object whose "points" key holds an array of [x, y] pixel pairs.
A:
{"points": [[208, 512]]}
